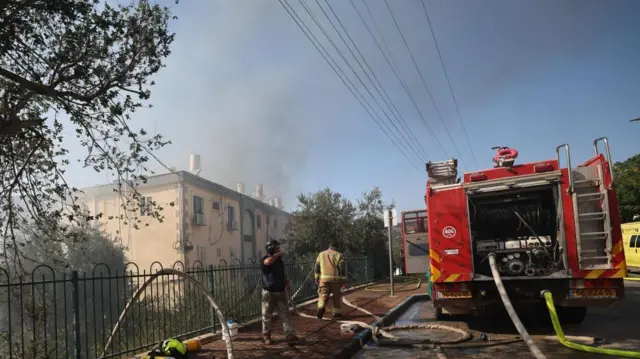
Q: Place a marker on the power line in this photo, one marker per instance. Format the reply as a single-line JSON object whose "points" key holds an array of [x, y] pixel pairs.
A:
{"points": [[424, 82], [338, 71], [326, 35], [390, 61], [388, 101], [444, 68]]}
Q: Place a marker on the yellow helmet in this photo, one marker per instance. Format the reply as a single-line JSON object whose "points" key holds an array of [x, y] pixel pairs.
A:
{"points": [[173, 347]]}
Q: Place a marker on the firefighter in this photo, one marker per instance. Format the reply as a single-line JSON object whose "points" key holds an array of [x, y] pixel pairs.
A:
{"points": [[275, 286], [331, 278]]}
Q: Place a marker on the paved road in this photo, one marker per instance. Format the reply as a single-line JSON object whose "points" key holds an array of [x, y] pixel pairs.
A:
{"points": [[619, 324]]}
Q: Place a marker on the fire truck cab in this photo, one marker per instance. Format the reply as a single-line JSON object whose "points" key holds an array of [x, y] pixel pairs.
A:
{"points": [[549, 227]]}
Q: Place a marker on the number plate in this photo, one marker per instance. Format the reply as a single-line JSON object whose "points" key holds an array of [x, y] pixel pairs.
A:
{"points": [[593, 293], [453, 295]]}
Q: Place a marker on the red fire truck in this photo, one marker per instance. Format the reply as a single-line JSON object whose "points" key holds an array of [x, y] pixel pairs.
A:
{"points": [[548, 227]]}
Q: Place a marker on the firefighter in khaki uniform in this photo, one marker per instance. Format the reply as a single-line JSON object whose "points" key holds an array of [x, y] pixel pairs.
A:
{"points": [[331, 278]]}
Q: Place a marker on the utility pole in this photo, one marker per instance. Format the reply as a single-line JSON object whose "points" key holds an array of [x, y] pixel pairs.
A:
{"points": [[390, 251]]}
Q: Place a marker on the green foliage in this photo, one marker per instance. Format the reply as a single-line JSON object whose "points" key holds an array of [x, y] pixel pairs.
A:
{"points": [[627, 177], [327, 215], [80, 67]]}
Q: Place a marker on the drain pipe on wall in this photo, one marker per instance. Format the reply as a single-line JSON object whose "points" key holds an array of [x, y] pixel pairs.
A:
{"points": [[389, 234], [181, 219]]}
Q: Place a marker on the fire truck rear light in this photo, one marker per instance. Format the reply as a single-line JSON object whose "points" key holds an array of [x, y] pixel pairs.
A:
{"points": [[477, 177], [543, 167]]}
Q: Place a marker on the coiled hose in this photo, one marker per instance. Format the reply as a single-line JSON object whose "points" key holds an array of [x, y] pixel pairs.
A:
{"points": [[512, 312], [548, 298], [391, 340], [503, 221]]}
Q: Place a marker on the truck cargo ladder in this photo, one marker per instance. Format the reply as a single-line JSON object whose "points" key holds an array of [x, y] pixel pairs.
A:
{"points": [[591, 208]]}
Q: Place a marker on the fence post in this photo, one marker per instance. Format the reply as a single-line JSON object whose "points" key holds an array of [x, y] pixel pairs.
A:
{"points": [[211, 288], [367, 261], [75, 293]]}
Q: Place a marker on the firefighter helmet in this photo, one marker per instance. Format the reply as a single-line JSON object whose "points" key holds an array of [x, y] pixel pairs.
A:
{"points": [[271, 246], [175, 348]]}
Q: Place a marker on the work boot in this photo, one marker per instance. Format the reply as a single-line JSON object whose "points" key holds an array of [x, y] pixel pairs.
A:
{"points": [[321, 312], [267, 340], [291, 339]]}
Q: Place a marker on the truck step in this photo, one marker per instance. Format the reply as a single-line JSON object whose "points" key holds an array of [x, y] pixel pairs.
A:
{"points": [[601, 250], [588, 197], [593, 216], [587, 183], [592, 236], [604, 266]]}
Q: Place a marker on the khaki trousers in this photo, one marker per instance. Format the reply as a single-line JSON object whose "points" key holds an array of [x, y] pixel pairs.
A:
{"points": [[325, 289]]}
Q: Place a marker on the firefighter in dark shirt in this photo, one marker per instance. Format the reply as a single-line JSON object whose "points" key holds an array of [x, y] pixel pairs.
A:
{"points": [[274, 293]]}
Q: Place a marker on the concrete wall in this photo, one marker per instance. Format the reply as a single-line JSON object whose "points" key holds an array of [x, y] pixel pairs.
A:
{"points": [[219, 236], [153, 241]]}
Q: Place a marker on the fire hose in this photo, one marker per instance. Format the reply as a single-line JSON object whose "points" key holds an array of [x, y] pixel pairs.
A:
{"points": [[388, 338], [511, 311], [386, 287], [376, 329], [198, 285], [548, 297]]}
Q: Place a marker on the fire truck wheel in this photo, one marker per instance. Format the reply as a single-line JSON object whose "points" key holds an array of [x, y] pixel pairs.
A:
{"points": [[572, 315]]}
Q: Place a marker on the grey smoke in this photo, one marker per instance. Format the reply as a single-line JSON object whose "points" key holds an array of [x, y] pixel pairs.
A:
{"points": [[260, 134], [234, 92]]}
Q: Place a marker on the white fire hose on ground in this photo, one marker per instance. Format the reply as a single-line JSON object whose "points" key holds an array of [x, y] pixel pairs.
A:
{"points": [[376, 329], [390, 339], [198, 285], [511, 311]]}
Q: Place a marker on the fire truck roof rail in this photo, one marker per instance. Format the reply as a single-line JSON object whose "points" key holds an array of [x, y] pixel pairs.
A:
{"points": [[442, 172]]}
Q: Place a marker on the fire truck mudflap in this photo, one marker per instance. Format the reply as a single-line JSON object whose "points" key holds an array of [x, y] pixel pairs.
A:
{"points": [[550, 228]]}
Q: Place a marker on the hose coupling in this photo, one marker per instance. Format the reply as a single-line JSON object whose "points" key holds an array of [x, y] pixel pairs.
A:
{"points": [[543, 292]]}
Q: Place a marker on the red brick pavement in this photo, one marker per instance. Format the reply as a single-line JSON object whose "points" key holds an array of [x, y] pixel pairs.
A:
{"points": [[319, 339]]}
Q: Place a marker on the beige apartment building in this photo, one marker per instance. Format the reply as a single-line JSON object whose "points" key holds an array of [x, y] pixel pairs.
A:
{"points": [[203, 221]]}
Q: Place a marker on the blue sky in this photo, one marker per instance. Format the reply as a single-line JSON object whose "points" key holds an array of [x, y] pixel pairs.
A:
{"points": [[246, 90]]}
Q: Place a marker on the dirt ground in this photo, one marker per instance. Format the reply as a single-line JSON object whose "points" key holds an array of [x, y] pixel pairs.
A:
{"points": [[319, 339]]}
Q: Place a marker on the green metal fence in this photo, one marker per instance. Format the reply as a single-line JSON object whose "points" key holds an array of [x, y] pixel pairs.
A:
{"points": [[56, 315]]}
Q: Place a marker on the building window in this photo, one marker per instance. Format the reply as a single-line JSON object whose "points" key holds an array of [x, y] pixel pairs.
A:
{"points": [[198, 205], [219, 252], [258, 221], [202, 255], [145, 206], [216, 205], [231, 217], [275, 223], [198, 211]]}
